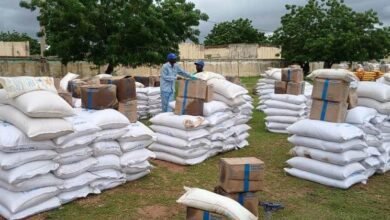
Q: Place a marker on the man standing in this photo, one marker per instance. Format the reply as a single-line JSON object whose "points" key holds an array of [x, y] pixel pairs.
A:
{"points": [[168, 77], [199, 64]]}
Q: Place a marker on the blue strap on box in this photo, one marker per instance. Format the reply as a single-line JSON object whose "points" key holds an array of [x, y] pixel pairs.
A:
{"points": [[288, 75], [241, 198], [109, 81], [89, 98], [183, 107], [325, 90], [206, 215], [324, 109], [247, 170]]}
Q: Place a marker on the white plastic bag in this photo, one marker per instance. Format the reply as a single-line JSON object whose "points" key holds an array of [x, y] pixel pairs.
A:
{"points": [[73, 156], [37, 182], [137, 156], [127, 146], [137, 132], [180, 143], [109, 161], [105, 119], [75, 169], [340, 74], [183, 134], [373, 90], [27, 171], [16, 86], [12, 160], [186, 122], [106, 147]]}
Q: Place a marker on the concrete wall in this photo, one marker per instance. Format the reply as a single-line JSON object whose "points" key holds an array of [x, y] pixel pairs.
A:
{"points": [[269, 53], [245, 67], [191, 51], [14, 49]]}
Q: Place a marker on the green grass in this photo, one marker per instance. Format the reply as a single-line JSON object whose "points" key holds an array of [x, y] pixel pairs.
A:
{"points": [[154, 197]]}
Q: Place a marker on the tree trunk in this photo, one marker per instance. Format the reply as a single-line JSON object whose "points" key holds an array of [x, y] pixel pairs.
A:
{"points": [[110, 69]]}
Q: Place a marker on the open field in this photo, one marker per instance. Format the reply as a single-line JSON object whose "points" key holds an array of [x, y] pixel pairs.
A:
{"points": [[154, 197]]}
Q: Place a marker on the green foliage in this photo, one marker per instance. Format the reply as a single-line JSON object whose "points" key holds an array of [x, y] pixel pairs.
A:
{"points": [[236, 31], [330, 31], [127, 32], [16, 36]]}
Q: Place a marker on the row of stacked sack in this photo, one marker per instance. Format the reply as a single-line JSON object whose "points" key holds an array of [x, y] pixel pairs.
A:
{"points": [[283, 109], [343, 147], [51, 153], [211, 116]]}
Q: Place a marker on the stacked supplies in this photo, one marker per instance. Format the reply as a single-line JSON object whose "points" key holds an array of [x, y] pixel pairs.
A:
{"points": [[368, 75], [328, 153], [385, 68], [374, 95], [191, 97], [385, 79], [53, 154], [291, 82], [240, 180], [149, 102], [266, 85]]}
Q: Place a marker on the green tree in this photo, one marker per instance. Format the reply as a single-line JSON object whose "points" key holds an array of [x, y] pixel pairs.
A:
{"points": [[127, 32], [330, 31], [236, 31], [16, 36]]}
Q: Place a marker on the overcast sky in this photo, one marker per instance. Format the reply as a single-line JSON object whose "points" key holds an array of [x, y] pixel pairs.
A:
{"points": [[265, 14]]}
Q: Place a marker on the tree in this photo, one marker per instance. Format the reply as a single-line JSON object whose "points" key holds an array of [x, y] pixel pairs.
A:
{"points": [[127, 32], [235, 31], [330, 31], [16, 36]]}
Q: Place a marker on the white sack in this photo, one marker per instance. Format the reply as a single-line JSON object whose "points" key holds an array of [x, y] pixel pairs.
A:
{"points": [[79, 181], [180, 143], [127, 146], [27, 171], [110, 134], [283, 112], [205, 200], [137, 156], [373, 90], [282, 119], [186, 122], [239, 100], [37, 182], [106, 147], [105, 119], [12, 160], [137, 132], [109, 161], [66, 79], [83, 192], [182, 153], [183, 134], [75, 169], [73, 156], [16, 86], [340, 74], [35, 128], [383, 108], [335, 132]]}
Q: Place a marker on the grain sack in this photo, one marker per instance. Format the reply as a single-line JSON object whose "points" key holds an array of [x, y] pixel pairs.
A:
{"points": [[16, 86]]}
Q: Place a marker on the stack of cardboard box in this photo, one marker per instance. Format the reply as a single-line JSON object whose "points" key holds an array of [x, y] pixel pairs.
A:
{"points": [[126, 95], [292, 82], [240, 180], [331, 100], [192, 94]]}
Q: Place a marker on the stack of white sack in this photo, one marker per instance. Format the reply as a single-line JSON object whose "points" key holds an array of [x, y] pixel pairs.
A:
{"points": [[181, 139], [228, 113], [266, 85], [148, 102], [66, 154], [371, 123], [374, 95], [283, 110], [385, 79], [328, 153]]}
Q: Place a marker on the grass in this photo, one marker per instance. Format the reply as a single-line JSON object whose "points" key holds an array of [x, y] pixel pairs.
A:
{"points": [[154, 197]]}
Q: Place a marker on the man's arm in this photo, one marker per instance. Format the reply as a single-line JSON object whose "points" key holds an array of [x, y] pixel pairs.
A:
{"points": [[165, 74], [183, 73]]}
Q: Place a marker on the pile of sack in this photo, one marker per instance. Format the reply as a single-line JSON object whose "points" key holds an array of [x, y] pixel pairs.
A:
{"points": [[148, 102], [266, 84], [374, 95], [188, 139], [51, 154], [328, 153]]}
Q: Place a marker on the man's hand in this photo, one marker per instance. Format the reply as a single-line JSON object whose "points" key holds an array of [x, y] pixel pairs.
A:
{"points": [[193, 78]]}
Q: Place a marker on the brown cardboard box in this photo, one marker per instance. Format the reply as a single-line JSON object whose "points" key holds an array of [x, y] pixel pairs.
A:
{"points": [[197, 214], [191, 106], [195, 89], [241, 174], [209, 93], [74, 87], [125, 87], [352, 98], [280, 87], [129, 109], [292, 75], [295, 88], [247, 199], [330, 90], [328, 111], [99, 97], [66, 96]]}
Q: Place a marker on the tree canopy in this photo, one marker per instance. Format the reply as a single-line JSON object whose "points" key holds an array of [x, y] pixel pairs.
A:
{"points": [[235, 31], [127, 32], [330, 31], [16, 36]]}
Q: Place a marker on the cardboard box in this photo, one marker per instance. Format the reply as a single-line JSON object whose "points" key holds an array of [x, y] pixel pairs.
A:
{"points": [[292, 75], [330, 90], [195, 89], [280, 87], [209, 93], [352, 98], [66, 96], [191, 106], [241, 174], [129, 109], [197, 214], [125, 87], [247, 199], [74, 87], [328, 111], [99, 97], [295, 88]]}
